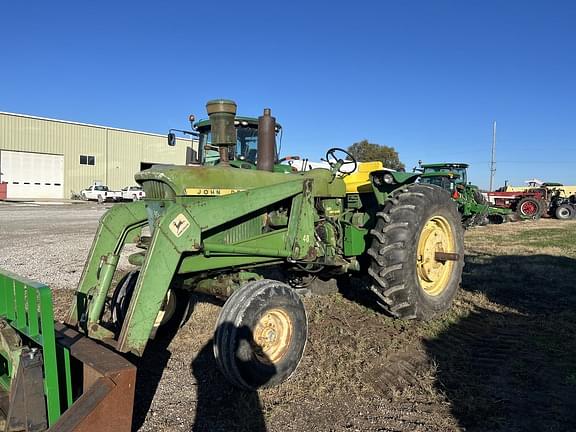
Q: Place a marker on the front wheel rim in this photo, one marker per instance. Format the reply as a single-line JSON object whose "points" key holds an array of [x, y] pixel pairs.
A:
{"points": [[528, 208], [437, 235], [272, 335]]}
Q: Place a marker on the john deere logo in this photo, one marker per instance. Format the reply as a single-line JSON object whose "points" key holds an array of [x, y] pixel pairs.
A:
{"points": [[196, 191], [179, 225]]}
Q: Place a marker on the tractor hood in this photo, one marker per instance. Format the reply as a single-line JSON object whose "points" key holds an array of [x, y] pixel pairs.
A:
{"points": [[168, 182]]}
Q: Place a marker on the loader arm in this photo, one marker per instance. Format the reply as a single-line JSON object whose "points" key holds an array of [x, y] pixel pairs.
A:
{"points": [[178, 232], [118, 226]]}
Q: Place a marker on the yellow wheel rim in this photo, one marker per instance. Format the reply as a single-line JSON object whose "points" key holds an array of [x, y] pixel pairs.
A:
{"points": [[436, 236], [272, 335]]}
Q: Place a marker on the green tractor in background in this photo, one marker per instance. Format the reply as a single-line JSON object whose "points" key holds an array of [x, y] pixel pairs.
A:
{"points": [[215, 229], [472, 205]]}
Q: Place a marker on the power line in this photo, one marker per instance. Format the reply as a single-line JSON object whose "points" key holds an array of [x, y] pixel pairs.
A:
{"points": [[539, 162], [493, 159]]}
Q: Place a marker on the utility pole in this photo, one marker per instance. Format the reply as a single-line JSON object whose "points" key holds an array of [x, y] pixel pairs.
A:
{"points": [[493, 159]]}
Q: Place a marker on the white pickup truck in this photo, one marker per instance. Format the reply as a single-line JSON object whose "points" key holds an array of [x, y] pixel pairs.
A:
{"points": [[100, 193], [132, 193]]}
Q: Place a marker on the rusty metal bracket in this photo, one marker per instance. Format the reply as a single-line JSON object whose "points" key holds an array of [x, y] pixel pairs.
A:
{"points": [[108, 381]]}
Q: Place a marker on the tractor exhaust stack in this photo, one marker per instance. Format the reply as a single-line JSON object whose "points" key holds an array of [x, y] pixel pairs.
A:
{"points": [[222, 113], [266, 141]]}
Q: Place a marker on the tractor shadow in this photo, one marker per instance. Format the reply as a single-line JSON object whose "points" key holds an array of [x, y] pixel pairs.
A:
{"points": [[356, 288], [219, 405], [150, 368], [510, 364]]}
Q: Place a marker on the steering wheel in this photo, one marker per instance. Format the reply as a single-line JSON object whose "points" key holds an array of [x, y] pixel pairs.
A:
{"points": [[334, 161]]}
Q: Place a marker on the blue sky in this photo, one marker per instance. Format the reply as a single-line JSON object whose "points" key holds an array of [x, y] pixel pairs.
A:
{"points": [[427, 77]]}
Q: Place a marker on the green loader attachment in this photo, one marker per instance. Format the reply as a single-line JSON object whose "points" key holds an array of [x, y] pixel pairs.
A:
{"points": [[52, 377]]}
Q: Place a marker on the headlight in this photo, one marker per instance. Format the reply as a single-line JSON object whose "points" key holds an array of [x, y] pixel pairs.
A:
{"points": [[388, 179]]}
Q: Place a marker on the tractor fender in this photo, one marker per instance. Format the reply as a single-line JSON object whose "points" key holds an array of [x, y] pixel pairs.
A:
{"points": [[386, 181], [400, 177]]}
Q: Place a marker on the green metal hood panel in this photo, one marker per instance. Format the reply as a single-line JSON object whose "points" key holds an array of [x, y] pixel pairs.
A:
{"points": [[400, 177], [325, 184], [404, 177], [184, 179]]}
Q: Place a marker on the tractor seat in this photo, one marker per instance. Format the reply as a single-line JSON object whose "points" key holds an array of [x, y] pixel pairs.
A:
{"points": [[359, 180]]}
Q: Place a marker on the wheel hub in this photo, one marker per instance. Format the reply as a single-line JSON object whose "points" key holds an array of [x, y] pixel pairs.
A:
{"points": [[436, 236], [272, 335], [528, 208]]}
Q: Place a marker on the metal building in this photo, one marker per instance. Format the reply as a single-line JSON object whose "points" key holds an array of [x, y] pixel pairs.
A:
{"points": [[48, 158]]}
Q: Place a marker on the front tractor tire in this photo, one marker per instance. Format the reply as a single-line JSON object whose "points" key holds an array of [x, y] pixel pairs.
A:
{"points": [[172, 306], [260, 335], [417, 252], [564, 212]]}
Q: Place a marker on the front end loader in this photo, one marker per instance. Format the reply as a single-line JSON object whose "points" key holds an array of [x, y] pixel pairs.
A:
{"points": [[218, 230]]}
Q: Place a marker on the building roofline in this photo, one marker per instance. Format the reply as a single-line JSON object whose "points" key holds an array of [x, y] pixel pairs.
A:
{"points": [[86, 124]]}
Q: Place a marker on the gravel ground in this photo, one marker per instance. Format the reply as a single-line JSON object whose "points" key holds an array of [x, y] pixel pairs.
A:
{"points": [[498, 361], [48, 243]]}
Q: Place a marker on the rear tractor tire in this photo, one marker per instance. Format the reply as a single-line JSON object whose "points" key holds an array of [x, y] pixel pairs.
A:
{"points": [[260, 334], [529, 208], [417, 252], [564, 212]]}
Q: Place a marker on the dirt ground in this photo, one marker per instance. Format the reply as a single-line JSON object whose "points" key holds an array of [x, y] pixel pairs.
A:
{"points": [[502, 359]]}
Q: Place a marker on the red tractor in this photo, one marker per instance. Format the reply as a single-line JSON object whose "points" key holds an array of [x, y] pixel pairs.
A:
{"points": [[533, 203], [530, 204]]}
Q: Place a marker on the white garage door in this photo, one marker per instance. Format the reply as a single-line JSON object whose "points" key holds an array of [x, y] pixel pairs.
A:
{"points": [[32, 175]]}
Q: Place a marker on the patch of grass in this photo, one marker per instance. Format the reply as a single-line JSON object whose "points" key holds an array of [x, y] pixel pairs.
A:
{"points": [[542, 238]]}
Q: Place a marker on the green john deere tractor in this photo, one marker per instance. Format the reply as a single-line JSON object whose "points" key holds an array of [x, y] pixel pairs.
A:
{"points": [[211, 229], [473, 207]]}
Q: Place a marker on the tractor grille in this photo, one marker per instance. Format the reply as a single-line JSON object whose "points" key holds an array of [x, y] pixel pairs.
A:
{"points": [[157, 190], [243, 231]]}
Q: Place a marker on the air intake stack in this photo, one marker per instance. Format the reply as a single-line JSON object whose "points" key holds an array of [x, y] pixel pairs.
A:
{"points": [[222, 113]]}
